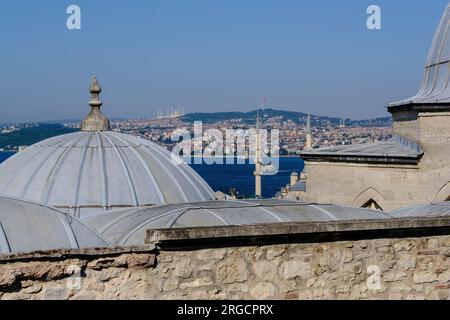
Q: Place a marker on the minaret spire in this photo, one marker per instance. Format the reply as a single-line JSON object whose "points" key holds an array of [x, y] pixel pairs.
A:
{"points": [[308, 145], [95, 120], [258, 162]]}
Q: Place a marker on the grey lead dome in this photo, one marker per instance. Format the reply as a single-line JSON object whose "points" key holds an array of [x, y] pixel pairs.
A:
{"points": [[97, 170], [89, 172], [435, 88]]}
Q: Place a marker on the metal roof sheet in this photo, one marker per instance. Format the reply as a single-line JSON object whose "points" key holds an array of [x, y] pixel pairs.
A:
{"points": [[26, 226], [434, 209], [397, 147], [128, 226]]}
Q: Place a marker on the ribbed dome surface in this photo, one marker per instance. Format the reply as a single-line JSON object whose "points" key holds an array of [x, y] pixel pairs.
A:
{"points": [[27, 226], [435, 87], [89, 172]]}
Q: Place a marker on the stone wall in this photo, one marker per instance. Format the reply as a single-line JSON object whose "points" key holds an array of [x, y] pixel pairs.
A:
{"points": [[348, 184], [395, 268]]}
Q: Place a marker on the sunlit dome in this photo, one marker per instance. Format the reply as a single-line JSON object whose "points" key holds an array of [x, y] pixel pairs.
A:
{"points": [[435, 88], [97, 170], [27, 226]]}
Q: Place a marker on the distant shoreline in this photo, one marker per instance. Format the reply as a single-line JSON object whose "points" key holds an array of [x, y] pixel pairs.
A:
{"points": [[284, 156]]}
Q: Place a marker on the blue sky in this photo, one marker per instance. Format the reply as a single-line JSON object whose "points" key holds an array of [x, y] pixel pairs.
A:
{"points": [[211, 55]]}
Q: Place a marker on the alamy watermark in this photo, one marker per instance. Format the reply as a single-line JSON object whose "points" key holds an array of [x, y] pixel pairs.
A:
{"points": [[374, 280], [73, 21], [74, 281], [374, 20], [240, 146]]}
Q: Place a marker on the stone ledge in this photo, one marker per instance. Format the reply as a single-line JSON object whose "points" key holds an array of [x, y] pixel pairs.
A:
{"points": [[58, 254], [205, 237]]}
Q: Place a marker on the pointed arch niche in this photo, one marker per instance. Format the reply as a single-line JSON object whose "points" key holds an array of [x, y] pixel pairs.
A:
{"points": [[443, 193], [370, 199]]}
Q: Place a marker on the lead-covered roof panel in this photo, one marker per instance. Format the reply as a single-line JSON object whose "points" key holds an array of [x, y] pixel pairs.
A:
{"points": [[128, 226], [26, 226], [435, 88]]}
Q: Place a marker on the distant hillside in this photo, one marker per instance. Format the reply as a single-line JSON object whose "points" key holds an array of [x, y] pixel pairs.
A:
{"points": [[297, 117], [29, 136]]}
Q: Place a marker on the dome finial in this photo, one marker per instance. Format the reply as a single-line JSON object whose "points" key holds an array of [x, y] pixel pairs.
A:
{"points": [[95, 120], [95, 86]]}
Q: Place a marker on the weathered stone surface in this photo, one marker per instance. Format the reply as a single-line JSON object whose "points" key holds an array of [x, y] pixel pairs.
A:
{"points": [[233, 269], [57, 292], [355, 267], [183, 268], [33, 289], [141, 260], [218, 254], [394, 276], [262, 290], [406, 262], [295, 271], [7, 278], [200, 282], [404, 245], [443, 294], [326, 263], [347, 256], [170, 284], [295, 268], [265, 270], [424, 277], [444, 277], [274, 252]]}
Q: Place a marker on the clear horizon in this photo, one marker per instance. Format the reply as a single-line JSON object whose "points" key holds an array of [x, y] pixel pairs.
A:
{"points": [[212, 56]]}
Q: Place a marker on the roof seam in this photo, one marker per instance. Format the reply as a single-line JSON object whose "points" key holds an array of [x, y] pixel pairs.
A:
{"points": [[125, 169]]}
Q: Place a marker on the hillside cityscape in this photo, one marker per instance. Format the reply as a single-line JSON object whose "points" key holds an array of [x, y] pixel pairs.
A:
{"points": [[327, 131]]}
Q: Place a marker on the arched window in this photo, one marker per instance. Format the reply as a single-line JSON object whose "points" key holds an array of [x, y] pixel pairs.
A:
{"points": [[372, 204]]}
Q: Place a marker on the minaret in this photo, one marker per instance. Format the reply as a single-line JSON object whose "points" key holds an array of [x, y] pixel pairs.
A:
{"points": [[258, 164], [95, 120], [308, 145]]}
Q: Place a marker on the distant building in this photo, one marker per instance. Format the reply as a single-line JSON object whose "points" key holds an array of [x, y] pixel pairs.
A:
{"points": [[170, 113], [413, 167]]}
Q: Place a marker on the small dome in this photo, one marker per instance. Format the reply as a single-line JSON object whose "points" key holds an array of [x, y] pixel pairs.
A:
{"points": [[128, 227], [27, 226], [95, 171]]}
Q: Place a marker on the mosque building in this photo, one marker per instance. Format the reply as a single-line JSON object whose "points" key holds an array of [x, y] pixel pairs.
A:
{"points": [[100, 188], [412, 168]]}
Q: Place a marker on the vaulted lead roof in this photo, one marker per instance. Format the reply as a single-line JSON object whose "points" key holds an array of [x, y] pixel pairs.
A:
{"points": [[128, 227], [435, 87], [434, 209], [27, 226]]}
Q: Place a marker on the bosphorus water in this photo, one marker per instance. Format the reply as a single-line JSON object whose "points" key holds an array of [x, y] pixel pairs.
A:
{"points": [[238, 176]]}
